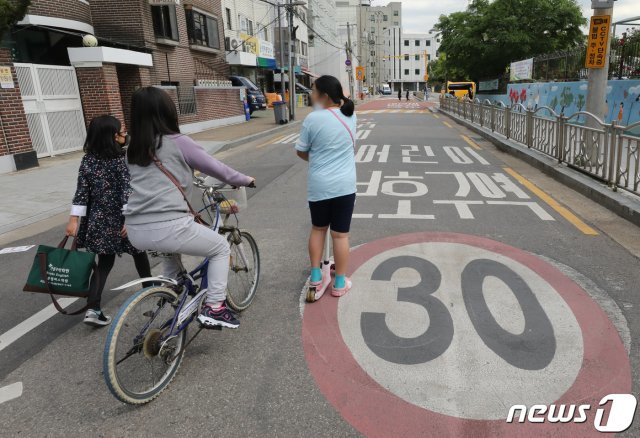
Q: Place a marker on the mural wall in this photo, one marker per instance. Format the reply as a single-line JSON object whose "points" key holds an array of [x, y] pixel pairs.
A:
{"points": [[622, 102]]}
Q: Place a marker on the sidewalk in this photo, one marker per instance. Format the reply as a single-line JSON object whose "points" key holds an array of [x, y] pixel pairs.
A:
{"points": [[32, 195]]}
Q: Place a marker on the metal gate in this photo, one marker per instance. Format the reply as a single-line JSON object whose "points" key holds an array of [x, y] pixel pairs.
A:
{"points": [[51, 100]]}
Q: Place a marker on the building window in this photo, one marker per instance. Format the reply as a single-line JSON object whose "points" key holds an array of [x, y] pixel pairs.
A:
{"points": [[373, 53], [385, 18], [250, 27], [165, 24], [428, 43], [203, 29], [417, 57], [417, 43], [228, 12], [406, 72], [395, 13], [406, 43], [373, 30], [304, 49], [417, 71], [243, 23], [406, 57], [395, 23], [428, 57]]}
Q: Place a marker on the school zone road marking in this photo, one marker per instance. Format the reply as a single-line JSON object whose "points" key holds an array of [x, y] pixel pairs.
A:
{"points": [[471, 143]]}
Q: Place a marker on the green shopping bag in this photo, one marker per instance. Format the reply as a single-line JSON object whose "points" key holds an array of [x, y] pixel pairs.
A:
{"points": [[61, 271]]}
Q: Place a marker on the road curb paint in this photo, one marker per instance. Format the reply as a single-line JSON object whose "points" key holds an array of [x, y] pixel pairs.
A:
{"points": [[561, 210], [375, 411]]}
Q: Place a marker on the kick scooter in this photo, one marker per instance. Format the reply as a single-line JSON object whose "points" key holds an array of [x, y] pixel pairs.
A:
{"points": [[314, 293]]}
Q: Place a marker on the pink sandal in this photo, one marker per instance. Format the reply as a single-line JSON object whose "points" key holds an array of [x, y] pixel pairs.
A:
{"points": [[341, 292]]}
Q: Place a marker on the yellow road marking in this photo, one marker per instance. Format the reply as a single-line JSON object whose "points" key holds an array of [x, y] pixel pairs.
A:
{"points": [[436, 116], [272, 141], [472, 143], [564, 212], [447, 124]]}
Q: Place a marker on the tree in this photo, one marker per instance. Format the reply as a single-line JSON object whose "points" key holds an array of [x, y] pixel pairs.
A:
{"points": [[489, 35], [11, 11]]}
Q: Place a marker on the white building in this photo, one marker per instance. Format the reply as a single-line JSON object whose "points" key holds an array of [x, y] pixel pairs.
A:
{"points": [[406, 57], [249, 40], [324, 44], [347, 21], [373, 23]]}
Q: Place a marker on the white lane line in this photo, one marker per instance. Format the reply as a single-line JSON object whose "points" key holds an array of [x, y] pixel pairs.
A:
{"points": [[10, 392], [9, 337], [477, 156], [363, 135]]}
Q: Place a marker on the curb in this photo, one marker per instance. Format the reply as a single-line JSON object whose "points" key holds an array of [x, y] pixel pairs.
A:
{"points": [[257, 135], [616, 201]]}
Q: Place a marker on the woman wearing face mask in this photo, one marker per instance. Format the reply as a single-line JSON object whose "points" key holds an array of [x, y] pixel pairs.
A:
{"points": [[327, 142], [103, 189]]}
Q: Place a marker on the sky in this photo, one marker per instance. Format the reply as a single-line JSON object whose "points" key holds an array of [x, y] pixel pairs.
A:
{"points": [[419, 16]]}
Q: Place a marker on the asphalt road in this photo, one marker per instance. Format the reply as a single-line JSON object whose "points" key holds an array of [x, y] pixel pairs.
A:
{"points": [[557, 321]]}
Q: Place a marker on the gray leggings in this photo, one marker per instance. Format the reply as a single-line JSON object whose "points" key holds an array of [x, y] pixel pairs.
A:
{"points": [[184, 236]]}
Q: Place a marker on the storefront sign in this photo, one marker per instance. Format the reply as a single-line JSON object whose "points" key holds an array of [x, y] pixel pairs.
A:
{"points": [[598, 41], [521, 70], [266, 50], [6, 78]]}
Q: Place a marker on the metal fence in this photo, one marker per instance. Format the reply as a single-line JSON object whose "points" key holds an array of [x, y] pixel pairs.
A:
{"points": [[624, 63], [608, 152]]}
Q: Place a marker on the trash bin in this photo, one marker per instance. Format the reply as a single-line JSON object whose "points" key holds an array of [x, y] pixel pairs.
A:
{"points": [[280, 111]]}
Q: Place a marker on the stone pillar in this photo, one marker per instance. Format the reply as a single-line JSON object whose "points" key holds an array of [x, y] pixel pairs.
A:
{"points": [[100, 91], [16, 149]]}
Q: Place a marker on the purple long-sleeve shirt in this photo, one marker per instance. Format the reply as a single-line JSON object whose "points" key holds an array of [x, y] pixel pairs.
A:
{"points": [[155, 198]]}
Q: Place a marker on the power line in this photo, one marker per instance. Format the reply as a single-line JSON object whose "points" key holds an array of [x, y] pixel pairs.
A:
{"points": [[316, 33]]}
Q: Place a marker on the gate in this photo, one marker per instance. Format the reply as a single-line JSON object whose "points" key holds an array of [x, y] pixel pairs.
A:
{"points": [[51, 100]]}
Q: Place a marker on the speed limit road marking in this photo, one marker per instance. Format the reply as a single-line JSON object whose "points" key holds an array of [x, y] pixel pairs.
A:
{"points": [[443, 333]]}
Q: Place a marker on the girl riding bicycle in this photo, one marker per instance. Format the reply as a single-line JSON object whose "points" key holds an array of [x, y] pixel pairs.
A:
{"points": [[327, 142], [157, 215]]}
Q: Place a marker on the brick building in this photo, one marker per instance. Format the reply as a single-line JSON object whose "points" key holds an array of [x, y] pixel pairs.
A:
{"points": [[59, 84]]}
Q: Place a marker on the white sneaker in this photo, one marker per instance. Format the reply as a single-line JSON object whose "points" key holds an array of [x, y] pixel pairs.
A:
{"points": [[96, 318]]}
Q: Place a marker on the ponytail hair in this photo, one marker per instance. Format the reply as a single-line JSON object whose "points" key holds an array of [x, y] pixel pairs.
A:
{"points": [[332, 87]]}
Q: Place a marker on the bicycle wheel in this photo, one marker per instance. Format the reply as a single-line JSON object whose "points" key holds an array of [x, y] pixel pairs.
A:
{"points": [[137, 364], [244, 270]]}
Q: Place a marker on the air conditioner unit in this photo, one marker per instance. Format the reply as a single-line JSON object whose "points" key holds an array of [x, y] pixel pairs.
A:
{"points": [[235, 44]]}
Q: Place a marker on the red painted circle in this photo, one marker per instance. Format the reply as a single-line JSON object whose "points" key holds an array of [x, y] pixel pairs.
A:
{"points": [[376, 412]]}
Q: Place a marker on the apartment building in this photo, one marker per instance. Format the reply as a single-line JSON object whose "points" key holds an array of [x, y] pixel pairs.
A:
{"points": [[324, 44], [249, 40], [62, 77], [406, 57]]}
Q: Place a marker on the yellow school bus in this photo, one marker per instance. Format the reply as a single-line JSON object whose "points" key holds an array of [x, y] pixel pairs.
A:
{"points": [[461, 89]]}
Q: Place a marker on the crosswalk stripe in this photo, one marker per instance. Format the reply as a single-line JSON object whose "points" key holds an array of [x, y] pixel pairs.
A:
{"points": [[290, 139]]}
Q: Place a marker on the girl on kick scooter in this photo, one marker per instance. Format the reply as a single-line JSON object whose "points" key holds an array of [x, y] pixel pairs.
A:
{"points": [[327, 142]]}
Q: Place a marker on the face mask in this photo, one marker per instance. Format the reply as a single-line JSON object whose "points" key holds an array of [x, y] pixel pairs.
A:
{"points": [[318, 107]]}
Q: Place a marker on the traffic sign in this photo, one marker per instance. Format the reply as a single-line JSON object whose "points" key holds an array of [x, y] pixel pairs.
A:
{"points": [[444, 332], [347, 63], [598, 41]]}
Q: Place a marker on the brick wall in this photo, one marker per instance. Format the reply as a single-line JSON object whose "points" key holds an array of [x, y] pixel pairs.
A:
{"points": [[14, 121], [69, 9], [131, 77], [172, 63], [100, 91], [211, 104]]}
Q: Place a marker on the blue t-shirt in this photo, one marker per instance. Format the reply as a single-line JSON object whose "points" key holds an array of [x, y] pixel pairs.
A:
{"points": [[332, 164]]}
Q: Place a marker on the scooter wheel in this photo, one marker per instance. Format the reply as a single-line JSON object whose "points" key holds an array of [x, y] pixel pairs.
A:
{"points": [[311, 294]]}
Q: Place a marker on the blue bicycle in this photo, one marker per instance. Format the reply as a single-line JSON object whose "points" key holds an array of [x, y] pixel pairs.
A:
{"points": [[148, 337]]}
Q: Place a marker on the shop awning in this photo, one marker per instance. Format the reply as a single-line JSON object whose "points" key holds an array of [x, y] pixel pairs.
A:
{"points": [[309, 73]]}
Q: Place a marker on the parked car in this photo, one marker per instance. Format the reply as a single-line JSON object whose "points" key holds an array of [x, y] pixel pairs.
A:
{"points": [[256, 99], [386, 89]]}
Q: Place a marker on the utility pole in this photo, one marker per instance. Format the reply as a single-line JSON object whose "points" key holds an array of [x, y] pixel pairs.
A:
{"points": [[597, 85], [282, 88], [292, 74], [350, 66]]}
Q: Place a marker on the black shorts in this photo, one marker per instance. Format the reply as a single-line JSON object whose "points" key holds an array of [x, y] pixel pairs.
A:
{"points": [[334, 212]]}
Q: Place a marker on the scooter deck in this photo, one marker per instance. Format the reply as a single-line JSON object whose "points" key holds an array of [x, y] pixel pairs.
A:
{"points": [[314, 293]]}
